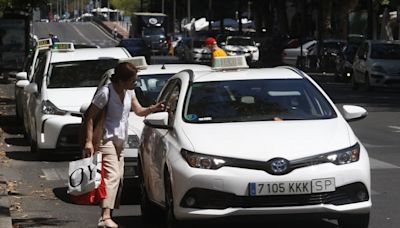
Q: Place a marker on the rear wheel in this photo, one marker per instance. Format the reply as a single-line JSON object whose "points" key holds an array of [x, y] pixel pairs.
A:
{"points": [[354, 221], [354, 84]]}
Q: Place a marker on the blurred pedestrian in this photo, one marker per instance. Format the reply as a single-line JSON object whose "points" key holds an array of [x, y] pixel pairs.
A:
{"points": [[118, 98], [216, 51]]}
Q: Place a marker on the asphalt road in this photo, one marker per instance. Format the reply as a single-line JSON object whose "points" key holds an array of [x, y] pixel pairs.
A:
{"points": [[76, 32]]}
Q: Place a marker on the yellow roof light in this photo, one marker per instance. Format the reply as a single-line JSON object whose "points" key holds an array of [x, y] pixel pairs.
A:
{"points": [[44, 43], [230, 63], [63, 46], [139, 62]]}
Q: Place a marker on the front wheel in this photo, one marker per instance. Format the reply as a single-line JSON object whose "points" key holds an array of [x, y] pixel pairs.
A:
{"points": [[170, 220], [354, 221], [147, 208], [354, 84]]}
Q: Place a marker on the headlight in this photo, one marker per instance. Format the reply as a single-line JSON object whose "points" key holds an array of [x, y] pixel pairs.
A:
{"points": [[379, 69], [202, 161], [50, 109], [132, 142], [344, 156]]}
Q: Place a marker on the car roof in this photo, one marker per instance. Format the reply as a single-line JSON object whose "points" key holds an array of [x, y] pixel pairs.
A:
{"points": [[384, 41], [89, 54], [172, 68], [244, 74]]}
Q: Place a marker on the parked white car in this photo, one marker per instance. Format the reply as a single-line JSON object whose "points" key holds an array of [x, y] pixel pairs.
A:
{"points": [[242, 45], [376, 64], [150, 82], [290, 55], [252, 142], [22, 78], [64, 79]]}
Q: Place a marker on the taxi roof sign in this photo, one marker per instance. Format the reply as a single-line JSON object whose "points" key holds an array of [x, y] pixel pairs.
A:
{"points": [[44, 43], [230, 63], [63, 46], [139, 62]]}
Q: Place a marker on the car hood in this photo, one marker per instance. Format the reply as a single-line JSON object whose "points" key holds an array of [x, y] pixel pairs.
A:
{"points": [[269, 139], [71, 99], [240, 48]]}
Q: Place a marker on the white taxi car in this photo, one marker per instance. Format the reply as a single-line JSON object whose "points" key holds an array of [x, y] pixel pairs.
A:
{"points": [[151, 79], [242, 45], [64, 79], [22, 78], [252, 142]]}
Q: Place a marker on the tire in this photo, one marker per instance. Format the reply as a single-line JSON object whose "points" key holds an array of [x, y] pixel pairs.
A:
{"points": [[354, 84], [35, 149], [368, 86], [354, 221], [170, 220], [147, 208]]}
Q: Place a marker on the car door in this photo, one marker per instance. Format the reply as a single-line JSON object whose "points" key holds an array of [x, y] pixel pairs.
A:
{"points": [[155, 145], [34, 97]]}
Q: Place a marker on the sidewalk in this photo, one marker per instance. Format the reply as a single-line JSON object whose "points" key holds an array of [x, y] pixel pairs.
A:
{"points": [[5, 217], [123, 33]]}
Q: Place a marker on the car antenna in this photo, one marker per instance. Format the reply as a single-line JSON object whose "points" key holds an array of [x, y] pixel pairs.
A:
{"points": [[163, 66]]}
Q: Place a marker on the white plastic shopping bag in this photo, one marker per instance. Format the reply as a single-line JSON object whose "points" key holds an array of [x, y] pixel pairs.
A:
{"points": [[84, 174]]}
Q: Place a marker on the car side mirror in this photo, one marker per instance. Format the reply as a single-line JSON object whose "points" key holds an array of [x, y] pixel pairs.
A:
{"points": [[22, 83], [31, 88], [21, 76], [223, 43], [353, 113], [258, 44], [157, 120]]}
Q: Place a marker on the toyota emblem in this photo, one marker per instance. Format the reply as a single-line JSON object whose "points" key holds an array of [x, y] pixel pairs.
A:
{"points": [[279, 165]]}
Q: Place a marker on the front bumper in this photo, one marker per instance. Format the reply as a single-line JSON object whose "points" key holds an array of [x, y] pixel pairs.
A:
{"points": [[385, 79], [59, 132], [225, 192]]}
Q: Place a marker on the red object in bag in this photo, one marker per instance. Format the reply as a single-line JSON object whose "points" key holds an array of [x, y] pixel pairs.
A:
{"points": [[93, 197]]}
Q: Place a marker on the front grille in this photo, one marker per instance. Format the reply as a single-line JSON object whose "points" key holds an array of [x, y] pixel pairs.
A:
{"points": [[211, 199], [69, 136]]}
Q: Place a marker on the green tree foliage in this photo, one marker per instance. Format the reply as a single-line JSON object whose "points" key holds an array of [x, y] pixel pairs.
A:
{"points": [[20, 4], [128, 6]]}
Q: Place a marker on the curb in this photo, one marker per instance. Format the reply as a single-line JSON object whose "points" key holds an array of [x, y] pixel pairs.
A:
{"points": [[5, 216]]}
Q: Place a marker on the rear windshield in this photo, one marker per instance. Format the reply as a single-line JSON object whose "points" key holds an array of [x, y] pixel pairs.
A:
{"points": [[255, 100], [78, 73]]}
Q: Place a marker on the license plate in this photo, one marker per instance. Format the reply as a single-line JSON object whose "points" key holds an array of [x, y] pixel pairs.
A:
{"points": [[292, 187]]}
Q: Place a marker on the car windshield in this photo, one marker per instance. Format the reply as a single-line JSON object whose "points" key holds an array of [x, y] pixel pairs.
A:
{"points": [[239, 41], [385, 51], [153, 31], [255, 100], [149, 87], [78, 73]]}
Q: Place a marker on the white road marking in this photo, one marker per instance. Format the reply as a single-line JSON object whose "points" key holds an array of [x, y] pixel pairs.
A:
{"points": [[378, 146], [377, 164], [395, 128]]}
